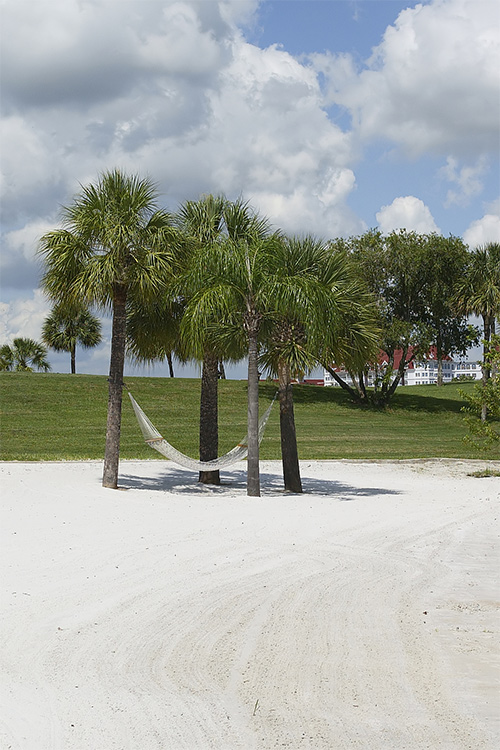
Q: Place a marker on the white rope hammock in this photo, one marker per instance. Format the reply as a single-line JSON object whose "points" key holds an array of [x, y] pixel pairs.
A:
{"points": [[155, 440]]}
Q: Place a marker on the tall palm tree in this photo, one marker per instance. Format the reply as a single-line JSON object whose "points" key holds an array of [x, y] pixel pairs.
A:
{"points": [[25, 355], [202, 223], [66, 327], [229, 296], [479, 294], [113, 249], [208, 224]]}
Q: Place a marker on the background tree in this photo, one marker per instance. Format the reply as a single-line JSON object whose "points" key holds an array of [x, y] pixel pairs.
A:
{"points": [[25, 355], [445, 261], [479, 294], [67, 326], [153, 333], [394, 270], [113, 249]]}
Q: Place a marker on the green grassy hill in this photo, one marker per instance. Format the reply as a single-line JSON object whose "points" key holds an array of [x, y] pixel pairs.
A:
{"points": [[54, 417]]}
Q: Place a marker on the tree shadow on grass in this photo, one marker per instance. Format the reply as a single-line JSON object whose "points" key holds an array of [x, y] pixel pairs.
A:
{"points": [[177, 481], [401, 401]]}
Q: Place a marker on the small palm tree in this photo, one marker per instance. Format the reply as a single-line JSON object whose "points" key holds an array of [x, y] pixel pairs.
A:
{"points": [[25, 355], [114, 249], [153, 331], [318, 299], [66, 327]]}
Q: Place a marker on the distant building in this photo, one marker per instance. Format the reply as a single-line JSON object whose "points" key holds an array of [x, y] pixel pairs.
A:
{"points": [[425, 373], [418, 372]]}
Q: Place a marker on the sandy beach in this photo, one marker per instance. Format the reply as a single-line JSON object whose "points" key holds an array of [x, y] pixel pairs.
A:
{"points": [[168, 615]]}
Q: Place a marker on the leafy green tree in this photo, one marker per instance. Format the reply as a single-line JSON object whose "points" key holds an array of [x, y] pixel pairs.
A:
{"points": [[114, 248], [479, 294], [445, 260], [66, 327], [413, 279], [25, 355]]}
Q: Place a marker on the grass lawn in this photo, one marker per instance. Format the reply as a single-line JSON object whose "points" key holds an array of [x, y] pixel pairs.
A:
{"points": [[52, 417]]}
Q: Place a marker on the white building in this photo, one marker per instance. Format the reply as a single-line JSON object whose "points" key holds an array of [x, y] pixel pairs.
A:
{"points": [[425, 373], [420, 373]]}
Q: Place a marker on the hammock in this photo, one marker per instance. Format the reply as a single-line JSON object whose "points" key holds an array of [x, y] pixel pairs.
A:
{"points": [[155, 440]]}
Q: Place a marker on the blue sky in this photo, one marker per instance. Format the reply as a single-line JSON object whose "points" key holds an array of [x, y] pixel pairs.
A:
{"points": [[329, 116]]}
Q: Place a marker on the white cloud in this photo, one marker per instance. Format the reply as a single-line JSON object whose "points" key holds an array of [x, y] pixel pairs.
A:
{"points": [[467, 179], [486, 229], [173, 90], [431, 84], [408, 213], [23, 317], [182, 98]]}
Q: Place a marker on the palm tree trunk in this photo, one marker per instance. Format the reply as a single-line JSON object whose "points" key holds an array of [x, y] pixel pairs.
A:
{"points": [[117, 361], [209, 427], [73, 360], [253, 476], [289, 452], [439, 379], [439, 354], [170, 364], [352, 392], [486, 374]]}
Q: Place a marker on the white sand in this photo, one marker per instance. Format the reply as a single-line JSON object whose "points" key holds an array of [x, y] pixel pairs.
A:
{"points": [[363, 614]]}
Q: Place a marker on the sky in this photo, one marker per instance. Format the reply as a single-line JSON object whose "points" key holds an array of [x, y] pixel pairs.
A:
{"points": [[330, 117]]}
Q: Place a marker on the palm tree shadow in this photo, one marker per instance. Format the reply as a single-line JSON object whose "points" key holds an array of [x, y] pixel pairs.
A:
{"points": [[341, 491], [179, 481]]}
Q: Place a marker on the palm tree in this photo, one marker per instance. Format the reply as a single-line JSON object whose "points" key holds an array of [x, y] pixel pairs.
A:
{"points": [[479, 294], [113, 249], [25, 355], [202, 223], [153, 331], [230, 295], [208, 224], [66, 327], [319, 300]]}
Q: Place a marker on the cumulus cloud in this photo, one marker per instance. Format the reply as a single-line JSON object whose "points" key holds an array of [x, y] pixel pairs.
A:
{"points": [[168, 89], [173, 90], [23, 317], [484, 230], [467, 179], [431, 84], [406, 213]]}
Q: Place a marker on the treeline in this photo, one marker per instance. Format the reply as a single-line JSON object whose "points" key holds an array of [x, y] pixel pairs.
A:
{"points": [[215, 282]]}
